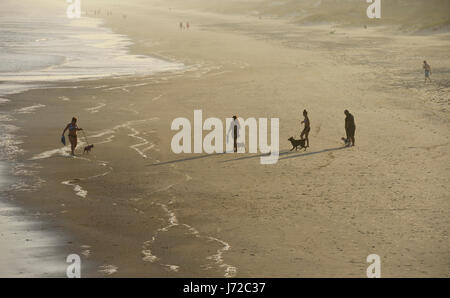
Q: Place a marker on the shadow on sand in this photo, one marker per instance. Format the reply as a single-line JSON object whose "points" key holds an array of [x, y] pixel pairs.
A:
{"points": [[290, 154], [185, 159], [315, 152]]}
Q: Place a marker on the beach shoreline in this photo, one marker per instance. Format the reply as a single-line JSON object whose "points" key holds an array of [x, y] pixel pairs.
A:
{"points": [[133, 208]]}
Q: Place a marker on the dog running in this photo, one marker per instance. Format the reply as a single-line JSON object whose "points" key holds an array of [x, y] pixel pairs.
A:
{"points": [[297, 143]]}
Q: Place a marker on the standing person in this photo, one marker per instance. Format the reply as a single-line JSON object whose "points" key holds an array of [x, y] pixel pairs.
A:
{"points": [[427, 69], [350, 127], [181, 25], [235, 126], [73, 128], [187, 25], [306, 129]]}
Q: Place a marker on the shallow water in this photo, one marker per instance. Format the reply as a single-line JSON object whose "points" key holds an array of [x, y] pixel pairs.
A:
{"points": [[26, 250], [41, 44]]}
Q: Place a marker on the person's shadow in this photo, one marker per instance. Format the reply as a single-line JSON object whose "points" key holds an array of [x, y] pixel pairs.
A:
{"points": [[315, 152], [289, 154], [285, 155], [185, 159]]}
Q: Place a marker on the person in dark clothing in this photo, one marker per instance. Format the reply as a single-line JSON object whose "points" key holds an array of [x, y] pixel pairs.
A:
{"points": [[234, 129], [350, 127], [235, 132]]}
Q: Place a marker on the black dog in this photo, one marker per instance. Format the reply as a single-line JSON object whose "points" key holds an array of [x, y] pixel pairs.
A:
{"points": [[297, 143], [88, 148]]}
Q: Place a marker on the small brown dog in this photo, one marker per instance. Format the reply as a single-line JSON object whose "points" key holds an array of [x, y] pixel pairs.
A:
{"points": [[88, 148], [297, 143]]}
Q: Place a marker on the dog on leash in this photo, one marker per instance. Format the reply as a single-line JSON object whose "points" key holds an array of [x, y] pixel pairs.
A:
{"points": [[297, 143], [88, 148], [346, 141]]}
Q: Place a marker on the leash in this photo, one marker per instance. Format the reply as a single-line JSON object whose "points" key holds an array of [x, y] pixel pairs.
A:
{"points": [[85, 138]]}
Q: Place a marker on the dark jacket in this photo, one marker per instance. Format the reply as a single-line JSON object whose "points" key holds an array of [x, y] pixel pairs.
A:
{"points": [[350, 122]]}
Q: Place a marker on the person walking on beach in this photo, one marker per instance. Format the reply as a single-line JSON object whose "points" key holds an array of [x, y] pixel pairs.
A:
{"points": [[181, 25], [73, 128], [427, 69], [350, 128], [187, 25], [234, 127], [306, 129]]}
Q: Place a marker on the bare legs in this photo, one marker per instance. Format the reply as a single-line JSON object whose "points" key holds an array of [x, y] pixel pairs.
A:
{"points": [[73, 144], [305, 134]]}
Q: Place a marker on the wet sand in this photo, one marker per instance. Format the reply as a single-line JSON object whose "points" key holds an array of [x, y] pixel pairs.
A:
{"points": [[133, 208], [29, 246]]}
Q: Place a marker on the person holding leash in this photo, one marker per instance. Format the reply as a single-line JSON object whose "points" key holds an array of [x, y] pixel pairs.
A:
{"points": [[73, 128]]}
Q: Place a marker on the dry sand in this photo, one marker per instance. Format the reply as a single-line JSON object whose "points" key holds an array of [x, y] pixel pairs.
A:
{"points": [[133, 208]]}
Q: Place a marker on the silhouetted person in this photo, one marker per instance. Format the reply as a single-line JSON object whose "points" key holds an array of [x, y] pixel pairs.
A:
{"points": [[350, 127], [235, 126], [306, 129], [427, 69]]}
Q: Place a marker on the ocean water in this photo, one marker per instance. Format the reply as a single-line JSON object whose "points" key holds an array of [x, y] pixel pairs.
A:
{"points": [[40, 44]]}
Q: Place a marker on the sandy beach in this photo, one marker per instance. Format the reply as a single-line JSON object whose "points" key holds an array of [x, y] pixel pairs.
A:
{"points": [[133, 208]]}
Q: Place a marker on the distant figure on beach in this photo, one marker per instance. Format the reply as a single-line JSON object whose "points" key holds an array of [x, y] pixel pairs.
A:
{"points": [[187, 25], [427, 69], [73, 128], [181, 26], [305, 133], [350, 127], [235, 126]]}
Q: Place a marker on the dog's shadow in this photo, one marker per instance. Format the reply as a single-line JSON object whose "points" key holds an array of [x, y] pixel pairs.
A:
{"points": [[303, 154]]}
